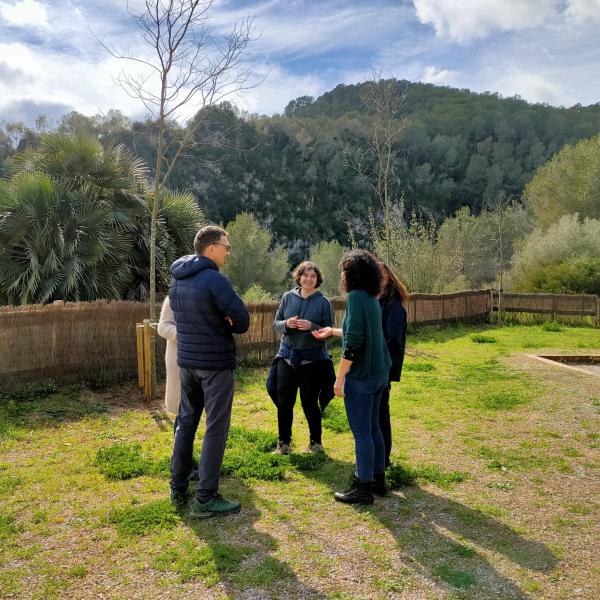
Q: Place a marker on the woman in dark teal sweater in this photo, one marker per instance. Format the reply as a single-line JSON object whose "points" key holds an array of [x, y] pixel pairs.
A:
{"points": [[363, 372]]}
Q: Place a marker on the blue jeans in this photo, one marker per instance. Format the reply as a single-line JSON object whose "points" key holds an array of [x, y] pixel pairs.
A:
{"points": [[361, 399]]}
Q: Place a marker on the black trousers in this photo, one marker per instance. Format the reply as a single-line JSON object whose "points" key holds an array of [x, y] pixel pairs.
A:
{"points": [[289, 380], [385, 423]]}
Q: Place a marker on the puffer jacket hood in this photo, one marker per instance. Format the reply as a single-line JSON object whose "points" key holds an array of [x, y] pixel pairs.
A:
{"points": [[186, 266]]}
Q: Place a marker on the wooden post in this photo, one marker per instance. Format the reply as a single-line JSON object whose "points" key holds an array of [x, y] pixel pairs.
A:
{"points": [[148, 391], [491, 305], [597, 311], [139, 336]]}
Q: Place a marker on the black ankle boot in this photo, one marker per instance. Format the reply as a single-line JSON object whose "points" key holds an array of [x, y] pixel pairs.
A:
{"points": [[360, 492], [379, 485]]}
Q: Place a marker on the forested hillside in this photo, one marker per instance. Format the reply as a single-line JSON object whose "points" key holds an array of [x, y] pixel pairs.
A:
{"points": [[292, 170]]}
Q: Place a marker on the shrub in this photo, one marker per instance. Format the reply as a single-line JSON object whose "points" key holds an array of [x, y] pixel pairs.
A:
{"points": [[123, 461], [574, 276], [569, 240], [255, 293], [142, 519], [480, 338], [552, 326], [334, 417], [403, 475]]}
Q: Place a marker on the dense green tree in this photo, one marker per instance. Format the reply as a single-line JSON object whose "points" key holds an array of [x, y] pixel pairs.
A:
{"points": [[568, 183], [567, 239], [327, 256], [292, 172], [474, 241], [253, 260], [574, 276]]}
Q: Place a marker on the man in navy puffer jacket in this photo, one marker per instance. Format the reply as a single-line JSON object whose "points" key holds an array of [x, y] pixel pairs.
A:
{"points": [[207, 312]]}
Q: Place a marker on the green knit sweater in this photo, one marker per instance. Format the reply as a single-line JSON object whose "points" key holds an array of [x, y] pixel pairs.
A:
{"points": [[363, 332]]}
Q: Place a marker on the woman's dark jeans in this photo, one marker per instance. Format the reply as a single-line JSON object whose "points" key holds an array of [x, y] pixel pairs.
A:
{"points": [[307, 378], [385, 423], [361, 399]]}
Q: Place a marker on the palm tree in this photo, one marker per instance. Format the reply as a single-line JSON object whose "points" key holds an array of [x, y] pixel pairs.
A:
{"points": [[179, 218], [75, 223], [57, 244]]}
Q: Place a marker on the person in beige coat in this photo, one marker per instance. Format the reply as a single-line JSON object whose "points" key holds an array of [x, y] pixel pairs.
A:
{"points": [[167, 330]]}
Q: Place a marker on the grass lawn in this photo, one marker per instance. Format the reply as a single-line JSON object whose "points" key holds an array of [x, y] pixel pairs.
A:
{"points": [[497, 476]]}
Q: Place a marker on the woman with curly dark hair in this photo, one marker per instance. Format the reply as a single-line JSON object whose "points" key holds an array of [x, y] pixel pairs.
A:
{"points": [[363, 372]]}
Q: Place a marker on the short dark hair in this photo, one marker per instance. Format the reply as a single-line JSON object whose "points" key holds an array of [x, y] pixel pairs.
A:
{"points": [[305, 266], [360, 271], [210, 234]]}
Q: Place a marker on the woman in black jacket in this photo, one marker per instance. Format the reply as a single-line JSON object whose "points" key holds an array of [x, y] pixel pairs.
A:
{"points": [[393, 300]]}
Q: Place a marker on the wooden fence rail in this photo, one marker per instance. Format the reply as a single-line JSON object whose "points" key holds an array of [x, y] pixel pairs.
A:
{"points": [[552, 305], [97, 340]]}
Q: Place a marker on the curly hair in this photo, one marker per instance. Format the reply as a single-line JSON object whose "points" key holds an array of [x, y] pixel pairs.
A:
{"points": [[305, 266], [360, 271]]}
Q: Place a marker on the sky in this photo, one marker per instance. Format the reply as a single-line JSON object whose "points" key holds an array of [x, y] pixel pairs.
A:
{"points": [[542, 50]]}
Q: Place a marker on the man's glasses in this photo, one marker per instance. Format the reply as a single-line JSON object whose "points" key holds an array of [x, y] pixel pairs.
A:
{"points": [[227, 246]]}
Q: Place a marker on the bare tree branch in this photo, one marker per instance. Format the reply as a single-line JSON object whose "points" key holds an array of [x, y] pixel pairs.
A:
{"points": [[188, 65]]}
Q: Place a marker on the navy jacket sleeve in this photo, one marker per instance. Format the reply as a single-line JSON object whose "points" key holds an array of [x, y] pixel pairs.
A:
{"points": [[230, 304]]}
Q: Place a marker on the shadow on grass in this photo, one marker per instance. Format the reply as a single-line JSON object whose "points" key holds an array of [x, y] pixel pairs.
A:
{"points": [[44, 405], [240, 556], [441, 536], [229, 551]]}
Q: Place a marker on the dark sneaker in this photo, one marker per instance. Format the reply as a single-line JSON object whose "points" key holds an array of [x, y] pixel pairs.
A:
{"points": [[282, 448], [314, 448], [214, 507], [179, 499]]}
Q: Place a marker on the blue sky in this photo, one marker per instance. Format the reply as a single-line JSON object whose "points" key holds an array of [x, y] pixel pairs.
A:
{"points": [[543, 50]]}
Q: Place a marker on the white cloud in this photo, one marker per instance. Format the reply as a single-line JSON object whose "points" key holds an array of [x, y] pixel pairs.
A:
{"points": [[278, 87], [534, 87], [583, 11], [26, 13], [438, 76], [465, 20], [50, 79]]}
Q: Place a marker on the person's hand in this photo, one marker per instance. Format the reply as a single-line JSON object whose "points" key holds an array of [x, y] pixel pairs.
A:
{"points": [[303, 324], [338, 387], [292, 322], [323, 333], [229, 320]]}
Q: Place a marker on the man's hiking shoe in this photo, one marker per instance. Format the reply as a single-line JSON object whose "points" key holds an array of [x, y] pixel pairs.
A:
{"points": [[314, 448], [282, 448], [214, 507], [179, 499]]}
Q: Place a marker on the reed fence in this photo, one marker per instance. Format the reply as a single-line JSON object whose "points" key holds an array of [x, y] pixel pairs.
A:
{"points": [[97, 340], [568, 307]]}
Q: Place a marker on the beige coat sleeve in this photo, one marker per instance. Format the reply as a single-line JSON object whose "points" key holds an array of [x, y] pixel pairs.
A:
{"points": [[166, 328], [166, 325]]}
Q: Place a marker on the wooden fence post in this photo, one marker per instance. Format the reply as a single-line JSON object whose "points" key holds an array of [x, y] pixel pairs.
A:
{"points": [[597, 311], [139, 336], [148, 391]]}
